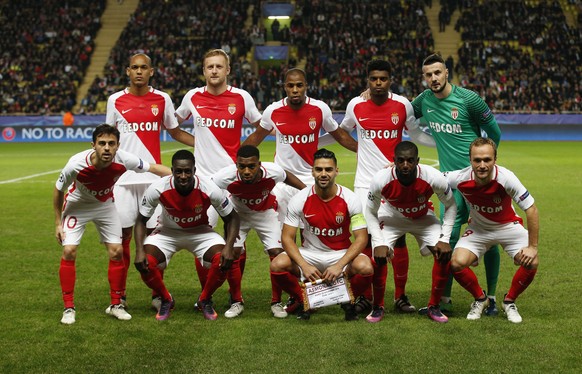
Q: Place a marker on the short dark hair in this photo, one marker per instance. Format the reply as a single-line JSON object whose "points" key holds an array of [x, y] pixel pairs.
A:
{"points": [[483, 141], [105, 129], [248, 151], [183, 154], [296, 71], [149, 60], [324, 153], [380, 65], [406, 146], [434, 58]]}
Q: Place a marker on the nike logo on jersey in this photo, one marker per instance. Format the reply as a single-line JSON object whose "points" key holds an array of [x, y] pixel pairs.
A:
{"points": [[126, 110], [363, 119], [201, 106], [430, 110], [309, 215], [280, 123]]}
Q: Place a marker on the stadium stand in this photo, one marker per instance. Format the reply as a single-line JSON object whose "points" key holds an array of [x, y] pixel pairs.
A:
{"points": [[46, 48]]}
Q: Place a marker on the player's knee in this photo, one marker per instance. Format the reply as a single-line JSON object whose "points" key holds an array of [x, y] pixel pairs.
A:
{"points": [[115, 252], [280, 263], [362, 265], [70, 253]]}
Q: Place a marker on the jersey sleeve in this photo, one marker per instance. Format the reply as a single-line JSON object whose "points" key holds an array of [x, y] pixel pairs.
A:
{"points": [[132, 162], [66, 177], [266, 120], [170, 120], [183, 110], [417, 105], [276, 172], [517, 190], [482, 114], [151, 198], [413, 129], [329, 123], [219, 199], [295, 208], [252, 114], [111, 114], [223, 177], [355, 210]]}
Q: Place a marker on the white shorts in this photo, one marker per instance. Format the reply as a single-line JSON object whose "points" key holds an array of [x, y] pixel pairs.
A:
{"points": [[513, 237], [128, 200], [266, 225], [104, 216], [197, 241], [426, 230], [284, 193], [322, 259]]}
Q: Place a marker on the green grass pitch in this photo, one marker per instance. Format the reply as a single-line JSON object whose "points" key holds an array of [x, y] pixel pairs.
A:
{"points": [[33, 341]]}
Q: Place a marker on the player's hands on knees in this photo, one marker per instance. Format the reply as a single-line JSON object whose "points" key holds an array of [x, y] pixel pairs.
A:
{"points": [[332, 273], [226, 258], [442, 252], [141, 263], [526, 256], [311, 273], [383, 255]]}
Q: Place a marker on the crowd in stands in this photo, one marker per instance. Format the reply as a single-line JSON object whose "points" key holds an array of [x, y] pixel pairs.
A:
{"points": [[45, 49], [519, 55]]}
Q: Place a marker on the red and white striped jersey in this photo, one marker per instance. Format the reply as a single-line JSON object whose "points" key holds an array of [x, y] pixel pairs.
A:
{"points": [[327, 223], [88, 184], [218, 121], [139, 120], [251, 197], [491, 205], [184, 212], [297, 133]]}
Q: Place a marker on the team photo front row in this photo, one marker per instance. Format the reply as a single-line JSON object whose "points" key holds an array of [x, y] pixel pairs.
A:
{"points": [[346, 240]]}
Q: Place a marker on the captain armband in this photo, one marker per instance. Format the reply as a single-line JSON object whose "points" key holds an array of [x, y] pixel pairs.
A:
{"points": [[357, 220]]}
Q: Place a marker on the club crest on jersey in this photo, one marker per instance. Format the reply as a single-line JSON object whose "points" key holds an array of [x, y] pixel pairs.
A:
{"points": [[339, 218], [198, 208], [421, 199], [155, 110], [454, 113], [497, 199], [312, 123], [232, 109], [395, 118]]}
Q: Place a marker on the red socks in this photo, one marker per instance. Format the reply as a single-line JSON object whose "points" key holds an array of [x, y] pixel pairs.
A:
{"points": [[116, 274], [215, 279], [288, 283], [400, 268], [68, 275], [440, 277], [276, 290], [154, 279], [522, 278], [468, 280], [234, 277], [360, 283]]}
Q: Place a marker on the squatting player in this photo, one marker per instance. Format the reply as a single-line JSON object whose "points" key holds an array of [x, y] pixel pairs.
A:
{"points": [[250, 183], [407, 188], [185, 198], [489, 190], [89, 177], [328, 212], [457, 116]]}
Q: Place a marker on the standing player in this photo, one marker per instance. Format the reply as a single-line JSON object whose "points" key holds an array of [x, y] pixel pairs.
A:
{"points": [[250, 183], [407, 188], [380, 121], [139, 112], [327, 211], [185, 199], [217, 111], [297, 121], [457, 116], [489, 190], [90, 176]]}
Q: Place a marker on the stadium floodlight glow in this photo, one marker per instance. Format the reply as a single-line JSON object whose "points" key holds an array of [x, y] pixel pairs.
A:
{"points": [[278, 17]]}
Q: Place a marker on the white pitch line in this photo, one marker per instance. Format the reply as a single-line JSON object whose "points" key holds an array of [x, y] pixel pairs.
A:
{"points": [[29, 176]]}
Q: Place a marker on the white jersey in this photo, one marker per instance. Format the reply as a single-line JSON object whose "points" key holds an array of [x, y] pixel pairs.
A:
{"points": [[327, 224], [297, 133], [185, 212], [409, 202], [491, 205], [139, 120], [248, 198], [218, 123], [379, 128], [90, 185]]}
